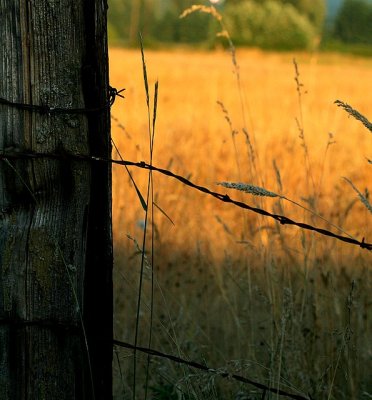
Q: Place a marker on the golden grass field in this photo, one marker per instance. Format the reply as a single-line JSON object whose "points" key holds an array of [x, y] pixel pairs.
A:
{"points": [[287, 308]]}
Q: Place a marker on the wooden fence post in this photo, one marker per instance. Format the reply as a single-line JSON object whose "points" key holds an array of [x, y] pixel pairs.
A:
{"points": [[55, 214]]}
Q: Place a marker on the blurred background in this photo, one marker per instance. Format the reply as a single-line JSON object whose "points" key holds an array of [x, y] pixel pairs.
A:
{"points": [[269, 24]]}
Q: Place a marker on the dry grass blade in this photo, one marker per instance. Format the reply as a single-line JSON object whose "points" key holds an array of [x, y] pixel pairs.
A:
{"points": [[278, 176], [150, 189], [354, 113], [362, 198], [301, 126], [144, 72], [299, 85], [121, 126], [154, 117], [205, 9], [141, 199], [165, 214], [227, 117], [223, 33]]}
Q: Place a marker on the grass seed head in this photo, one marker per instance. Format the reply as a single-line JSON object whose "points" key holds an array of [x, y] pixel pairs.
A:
{"points": [[205, 9], [248, 188], [362, 198], [355, 114]]}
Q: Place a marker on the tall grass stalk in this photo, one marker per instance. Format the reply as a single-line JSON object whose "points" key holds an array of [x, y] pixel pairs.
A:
{"points": [[233, 132], [330, 142], [148, 304], [346, 336], [149, 198], [301, 126]]}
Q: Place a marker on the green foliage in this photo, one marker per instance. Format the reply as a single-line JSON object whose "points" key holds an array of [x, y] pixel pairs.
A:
{"points": [[281, 24], [112, 33], [314, 10], [354, 22], [170, 28], [269, 25], [118, 21], [358, 49], [157, 20]]}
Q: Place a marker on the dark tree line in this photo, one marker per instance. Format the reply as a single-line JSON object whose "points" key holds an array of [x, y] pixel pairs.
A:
{"points": [[273, 24], [353, 23], [158, 20]]}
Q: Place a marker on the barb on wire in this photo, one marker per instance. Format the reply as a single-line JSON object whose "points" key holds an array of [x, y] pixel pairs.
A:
{"points": [[113, 93], [204, 367], [47, 109], [13, 154]]}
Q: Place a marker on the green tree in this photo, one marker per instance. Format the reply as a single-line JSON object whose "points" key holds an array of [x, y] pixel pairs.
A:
{"points": [[193, 29], [118, 20], [158, 20], [315, 10], [269, 25], [127, 18], [353, 23]]}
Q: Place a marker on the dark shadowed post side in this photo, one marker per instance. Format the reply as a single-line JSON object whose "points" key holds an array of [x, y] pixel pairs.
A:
{"points": [[55, 215]]}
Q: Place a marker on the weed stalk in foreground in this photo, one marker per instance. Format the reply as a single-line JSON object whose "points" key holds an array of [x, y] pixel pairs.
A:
{"points": [[149, 197]]}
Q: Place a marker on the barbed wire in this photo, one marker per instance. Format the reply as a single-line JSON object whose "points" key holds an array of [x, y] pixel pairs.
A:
{"points": [[219, 372], [48, 110], [282, 219]]}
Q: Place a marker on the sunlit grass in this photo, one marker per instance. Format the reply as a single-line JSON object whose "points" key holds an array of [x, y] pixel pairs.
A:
{"points": [[232, 285]]}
